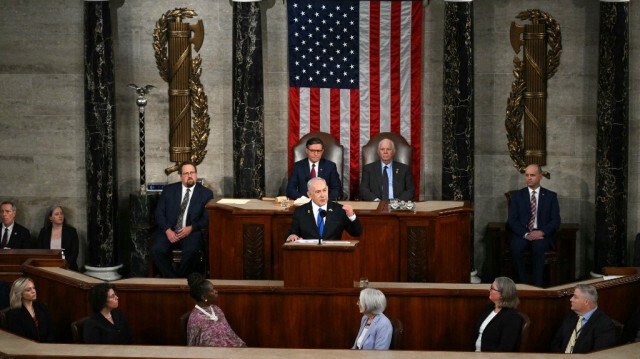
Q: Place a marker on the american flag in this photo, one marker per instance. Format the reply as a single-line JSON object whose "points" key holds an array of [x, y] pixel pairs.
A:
{"points": [[355, 71]]}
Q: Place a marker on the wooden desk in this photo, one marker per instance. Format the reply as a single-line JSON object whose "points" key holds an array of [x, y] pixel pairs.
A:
{"points": [[13, 346], [430, 245], [11, 260], [435, 316], [334, 264]]}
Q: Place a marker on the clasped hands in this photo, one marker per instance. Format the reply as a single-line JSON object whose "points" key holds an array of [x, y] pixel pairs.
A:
{"points": [[176, 236], [535, 235]]}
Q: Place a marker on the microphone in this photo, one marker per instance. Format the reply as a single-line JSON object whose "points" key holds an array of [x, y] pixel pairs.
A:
{"points": [[323, 214]]}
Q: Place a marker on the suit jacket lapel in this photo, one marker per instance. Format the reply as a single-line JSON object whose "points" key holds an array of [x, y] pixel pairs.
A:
{"points": [[314, 222], [377, 179]]}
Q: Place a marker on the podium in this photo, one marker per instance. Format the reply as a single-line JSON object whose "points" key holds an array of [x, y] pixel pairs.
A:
{"points": [[332, 264]]}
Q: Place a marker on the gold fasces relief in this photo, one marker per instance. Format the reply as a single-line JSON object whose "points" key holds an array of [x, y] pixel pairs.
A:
{"points": [[188, 109], [542, 45]]}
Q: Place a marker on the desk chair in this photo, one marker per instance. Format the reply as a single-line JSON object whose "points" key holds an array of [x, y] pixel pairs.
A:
{"points": [[403, 149], [396, 336], [77, 328], [524, 333], [333, 151]]}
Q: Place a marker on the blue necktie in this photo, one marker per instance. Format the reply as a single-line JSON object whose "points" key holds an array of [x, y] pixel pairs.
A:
{"points": [[320, 222]]}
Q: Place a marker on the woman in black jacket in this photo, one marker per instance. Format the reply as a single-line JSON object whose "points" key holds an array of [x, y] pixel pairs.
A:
{"points": [[107, 325], [500, 326], [27, 317], [56, 234]]}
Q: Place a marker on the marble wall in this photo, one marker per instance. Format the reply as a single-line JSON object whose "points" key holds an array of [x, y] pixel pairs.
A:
{"points": [[41, 110]]}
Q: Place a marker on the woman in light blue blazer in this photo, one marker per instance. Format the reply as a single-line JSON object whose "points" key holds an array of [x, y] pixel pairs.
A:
{"points": [[375, 328]]}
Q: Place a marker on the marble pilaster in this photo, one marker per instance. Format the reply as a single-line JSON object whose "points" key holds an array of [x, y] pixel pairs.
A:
{"points": [[142, 226], [457, 105], [248, 102], [612, 136], [100, 146]]}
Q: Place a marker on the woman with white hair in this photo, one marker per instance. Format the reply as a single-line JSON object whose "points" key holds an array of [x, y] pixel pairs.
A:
{"points": [[375, 328]]}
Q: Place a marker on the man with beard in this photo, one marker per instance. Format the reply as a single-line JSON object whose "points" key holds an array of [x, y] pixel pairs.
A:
{"points": [[180, 215]]}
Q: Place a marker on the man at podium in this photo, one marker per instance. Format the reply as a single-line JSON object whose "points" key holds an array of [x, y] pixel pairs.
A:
{"points": [[320, 218]]}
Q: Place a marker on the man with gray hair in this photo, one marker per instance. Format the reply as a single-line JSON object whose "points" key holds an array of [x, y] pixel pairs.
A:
{"points": [[386, 179], [13, 235], [321, 219], [586, 328]]}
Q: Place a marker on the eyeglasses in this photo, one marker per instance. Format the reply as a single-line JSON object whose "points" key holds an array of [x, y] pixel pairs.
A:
{"points": [[315, 151], [188, 173], [113, 296], [495, 289]]}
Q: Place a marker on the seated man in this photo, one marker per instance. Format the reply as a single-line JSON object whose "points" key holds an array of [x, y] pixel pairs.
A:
{"points": [[180, 215], [13, 235], [314, 166], [534, 218], [586, 328], [387, 179], [319, 219]]}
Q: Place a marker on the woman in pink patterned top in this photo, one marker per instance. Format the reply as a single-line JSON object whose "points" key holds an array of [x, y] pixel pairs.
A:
{"points": [[207, 325]]}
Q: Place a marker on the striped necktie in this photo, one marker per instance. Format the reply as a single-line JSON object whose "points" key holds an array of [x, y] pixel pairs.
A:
{"points": [[534, 211], [574, 336]]}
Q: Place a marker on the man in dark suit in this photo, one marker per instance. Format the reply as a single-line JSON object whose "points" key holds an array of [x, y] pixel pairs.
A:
{"points": [[13, 235], [387, 179], [586, 328], [320, 218], [534, 218], [314, 166], [180, 215]]}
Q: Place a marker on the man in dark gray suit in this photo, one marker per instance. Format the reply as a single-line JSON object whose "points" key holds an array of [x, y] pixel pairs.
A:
{"points": [[13, 235], [387, 179], [180, 215], [587, 328]]}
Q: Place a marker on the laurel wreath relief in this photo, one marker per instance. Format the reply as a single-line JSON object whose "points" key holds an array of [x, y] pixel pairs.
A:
{"points": [[515, 106], [197, 96]]}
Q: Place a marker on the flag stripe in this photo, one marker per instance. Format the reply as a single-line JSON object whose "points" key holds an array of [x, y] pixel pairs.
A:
{"points": [[394, 71], [374, 67], [416, 76]]}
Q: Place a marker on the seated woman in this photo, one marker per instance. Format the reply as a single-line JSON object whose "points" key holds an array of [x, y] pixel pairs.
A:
{"points": [[207, 325], [27, 317], [56, 234], [500, 325], [375, 328], [107, 325]]}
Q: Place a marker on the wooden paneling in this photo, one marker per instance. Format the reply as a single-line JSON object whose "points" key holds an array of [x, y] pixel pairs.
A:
{"points": [[434, 316], [321, 266], [394, 246], [11, 260]]}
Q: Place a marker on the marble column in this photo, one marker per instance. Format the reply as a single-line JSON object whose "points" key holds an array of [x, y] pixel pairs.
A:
{"points": [[100, 136], [248, 102], [457, 106], [612, 137], [457, 102]]}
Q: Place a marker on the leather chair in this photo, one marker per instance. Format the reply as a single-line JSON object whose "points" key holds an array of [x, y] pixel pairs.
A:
{"points": [[396, 336], [176, 256], [403, 149], [3, 318], [183, 321], [77, 330], [333, 151], [524, 334]]}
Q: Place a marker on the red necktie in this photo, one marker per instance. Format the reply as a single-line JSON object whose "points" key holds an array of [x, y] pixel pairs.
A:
{"points": [[313, 170]]}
